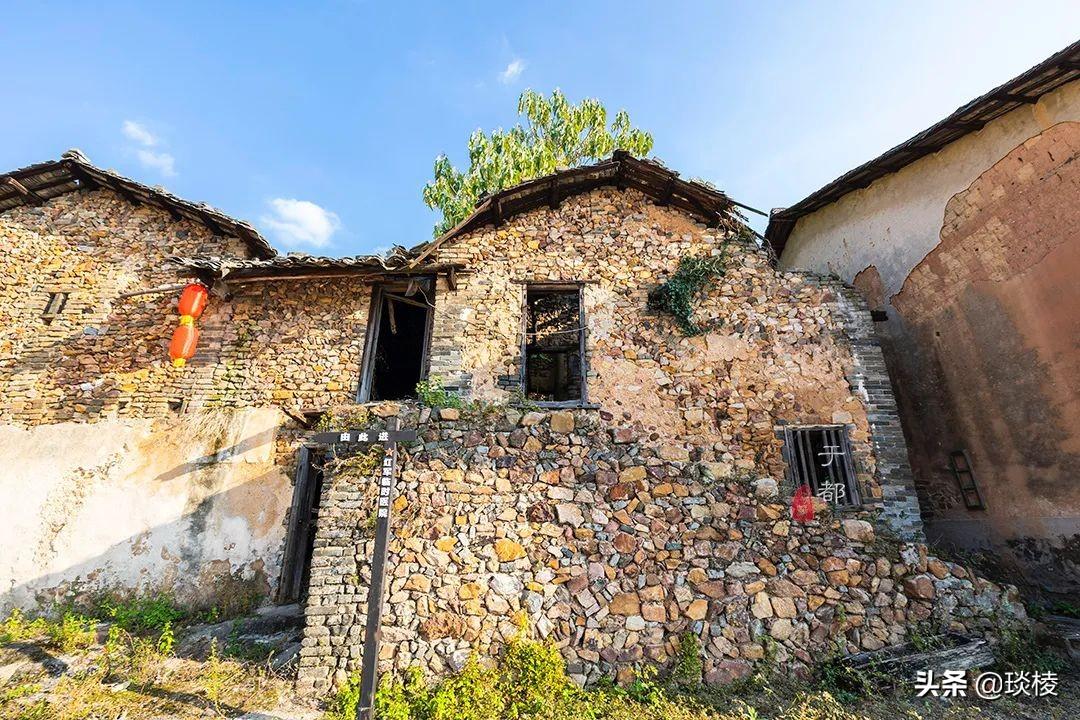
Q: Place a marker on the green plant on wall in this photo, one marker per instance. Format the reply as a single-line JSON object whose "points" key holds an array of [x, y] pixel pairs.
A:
{"points": [[678, 295]]}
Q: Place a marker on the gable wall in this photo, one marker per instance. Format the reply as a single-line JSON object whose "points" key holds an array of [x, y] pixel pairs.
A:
{"points": [[779, 348], [973, 252]]}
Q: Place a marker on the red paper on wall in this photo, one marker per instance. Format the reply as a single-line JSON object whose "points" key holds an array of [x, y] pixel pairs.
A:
{"points": [[802, 505]]}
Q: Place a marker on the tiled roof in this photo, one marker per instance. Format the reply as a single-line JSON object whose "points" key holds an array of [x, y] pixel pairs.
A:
{"points": [[397, 258], [42, 182]]}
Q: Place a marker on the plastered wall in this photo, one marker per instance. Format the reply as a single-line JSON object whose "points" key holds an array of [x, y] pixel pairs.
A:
{"points": [[973, 252]]}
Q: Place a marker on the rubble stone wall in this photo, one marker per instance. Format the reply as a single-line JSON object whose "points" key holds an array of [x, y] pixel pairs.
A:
{"points": [[104, 355], [613, 544]]}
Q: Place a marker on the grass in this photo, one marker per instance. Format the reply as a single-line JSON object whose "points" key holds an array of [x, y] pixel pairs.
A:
{"points": [[528, 680], [133, 674]]}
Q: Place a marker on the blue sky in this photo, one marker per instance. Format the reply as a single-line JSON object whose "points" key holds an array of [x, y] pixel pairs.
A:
{"points": [[319, 122]]}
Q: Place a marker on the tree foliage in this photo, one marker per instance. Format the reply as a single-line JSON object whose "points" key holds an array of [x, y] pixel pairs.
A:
{"points": [[557, 135]]}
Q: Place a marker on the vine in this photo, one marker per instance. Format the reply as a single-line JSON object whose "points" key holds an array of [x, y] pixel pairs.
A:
{"points": [[677, 296]]}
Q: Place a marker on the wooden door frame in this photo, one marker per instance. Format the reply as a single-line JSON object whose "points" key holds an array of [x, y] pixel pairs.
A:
{"points": [[371, 340]]}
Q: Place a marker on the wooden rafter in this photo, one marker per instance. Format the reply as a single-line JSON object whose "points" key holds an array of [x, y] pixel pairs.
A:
{"points": [[30, 195]]}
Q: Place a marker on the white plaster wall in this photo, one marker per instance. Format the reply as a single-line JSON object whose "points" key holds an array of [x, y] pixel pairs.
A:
{"points": [[896, 221], [172, 504]]}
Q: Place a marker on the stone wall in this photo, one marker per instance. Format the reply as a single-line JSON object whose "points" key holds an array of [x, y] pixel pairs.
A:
{"points": [[615, 534], [103, 356], [613, 544]]}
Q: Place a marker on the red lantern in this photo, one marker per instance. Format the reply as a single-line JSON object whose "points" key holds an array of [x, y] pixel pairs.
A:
{"points": [[193, 301], [184, 340], [802, 505]]}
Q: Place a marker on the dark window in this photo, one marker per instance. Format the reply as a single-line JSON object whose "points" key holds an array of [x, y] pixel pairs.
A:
{"points": [[960, 464], [55, 305], [554, 344], [820, 456], [395, 355]]}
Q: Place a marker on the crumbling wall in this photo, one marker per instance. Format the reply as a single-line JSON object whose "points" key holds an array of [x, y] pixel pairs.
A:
{"points": [[190, 505], [973, 254], [780, 347], [993, 311], [613, 543]]}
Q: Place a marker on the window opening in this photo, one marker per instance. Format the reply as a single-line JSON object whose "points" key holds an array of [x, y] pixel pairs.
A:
{"points": [[820, 456], [554, 344]]}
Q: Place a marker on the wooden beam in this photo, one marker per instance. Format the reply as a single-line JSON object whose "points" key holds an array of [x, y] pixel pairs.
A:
{"points": [[154, 290], [553, 193], [406, 300], [210, 224], [1013, 97], [390, 313], [123, 192], [30, 195], [668, 192], [496, 211], [379, 276], [81, 175], [451, 278], [51, 184], [169, 209], [964, 125]]}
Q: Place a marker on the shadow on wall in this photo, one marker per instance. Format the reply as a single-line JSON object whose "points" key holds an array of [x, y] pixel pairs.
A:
{"points": [[1046, 564], [983, 351], [208, 531], [198, 570]]}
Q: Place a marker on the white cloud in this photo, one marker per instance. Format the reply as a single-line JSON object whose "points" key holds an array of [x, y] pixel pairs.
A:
{"points": [[139, 133], [300, 222], [142, 140], [512, 71], [163, 162]]}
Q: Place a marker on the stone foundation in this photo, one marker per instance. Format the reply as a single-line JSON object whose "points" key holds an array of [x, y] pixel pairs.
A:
{"points": [[613, 543]]}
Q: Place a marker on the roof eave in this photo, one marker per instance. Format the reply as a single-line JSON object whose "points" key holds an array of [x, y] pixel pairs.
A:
{"points": [[1056, 71]]}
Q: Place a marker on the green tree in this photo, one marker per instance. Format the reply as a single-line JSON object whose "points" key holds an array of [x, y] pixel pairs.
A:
{"points": [[557, 135]]}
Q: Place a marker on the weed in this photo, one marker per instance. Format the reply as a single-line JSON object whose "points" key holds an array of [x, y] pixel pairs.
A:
{"points": [[72, 632], [1018, 651], [17, 627], [18, 691], [688, 664], [343, 705], [431, 393], [215, 677], [676, 296], [924, 637], [362, 464], [243, 650], [147, 615], [166, 640], [351, 418], [645, 688]]}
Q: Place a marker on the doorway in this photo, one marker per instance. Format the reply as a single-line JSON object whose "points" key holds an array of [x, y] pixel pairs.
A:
{"points": [[396, 351], [303, 518]]}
